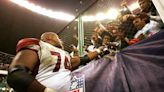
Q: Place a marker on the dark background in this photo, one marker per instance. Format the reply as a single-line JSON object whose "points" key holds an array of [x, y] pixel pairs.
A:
{"points": [[17, 22]]}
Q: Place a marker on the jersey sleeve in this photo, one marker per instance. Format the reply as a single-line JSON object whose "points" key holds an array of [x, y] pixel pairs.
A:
{"points": [[28, 43]]}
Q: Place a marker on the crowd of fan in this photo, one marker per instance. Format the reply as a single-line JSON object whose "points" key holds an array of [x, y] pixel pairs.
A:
{"points": [[128, 29]]}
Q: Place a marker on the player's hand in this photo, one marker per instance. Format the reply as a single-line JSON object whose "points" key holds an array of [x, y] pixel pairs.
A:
{"points": [[49, 90]]}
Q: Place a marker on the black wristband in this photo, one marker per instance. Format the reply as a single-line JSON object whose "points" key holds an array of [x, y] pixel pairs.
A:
{"points": [[83, 60]]}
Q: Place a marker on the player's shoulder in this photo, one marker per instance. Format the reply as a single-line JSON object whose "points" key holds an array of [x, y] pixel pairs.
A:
{"points": [[27, 43]]}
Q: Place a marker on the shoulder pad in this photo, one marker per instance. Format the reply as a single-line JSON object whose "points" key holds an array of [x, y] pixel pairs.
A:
{"points": [[27, 43]]}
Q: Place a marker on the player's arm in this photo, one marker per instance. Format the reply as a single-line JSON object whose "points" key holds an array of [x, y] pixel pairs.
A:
{"points": [[19, 75], [76, 61]]}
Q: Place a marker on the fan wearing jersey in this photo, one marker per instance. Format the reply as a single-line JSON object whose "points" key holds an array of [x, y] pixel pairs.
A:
{"points": [[43, 65]]}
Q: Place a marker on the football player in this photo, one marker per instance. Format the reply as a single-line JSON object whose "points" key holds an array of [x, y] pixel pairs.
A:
{"points": [[43, 65]]}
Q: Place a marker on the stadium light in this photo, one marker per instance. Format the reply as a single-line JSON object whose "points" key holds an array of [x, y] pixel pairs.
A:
{"points": [[88, 18], [43, 11], [100, 16]]}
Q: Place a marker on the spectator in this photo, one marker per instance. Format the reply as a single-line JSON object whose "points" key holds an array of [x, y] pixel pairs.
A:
{"points": [[148, 7], [145, 26], [96, 42], [127, 27], [106, 42]]}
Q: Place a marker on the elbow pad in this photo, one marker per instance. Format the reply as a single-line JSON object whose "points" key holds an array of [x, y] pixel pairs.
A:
{"points": [[84, 60], [19, 78]]}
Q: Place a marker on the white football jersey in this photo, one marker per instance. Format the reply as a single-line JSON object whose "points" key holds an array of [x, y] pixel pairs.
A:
{"points": [[54, 67]]}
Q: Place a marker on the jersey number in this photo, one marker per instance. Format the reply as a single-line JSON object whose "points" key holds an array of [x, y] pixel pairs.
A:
{"points": [[66, 62]]}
